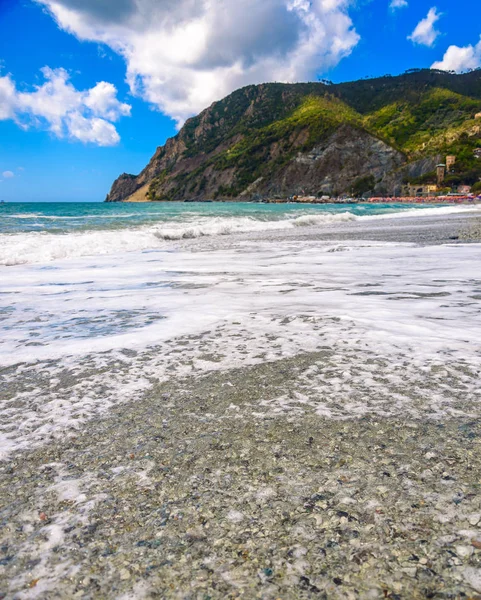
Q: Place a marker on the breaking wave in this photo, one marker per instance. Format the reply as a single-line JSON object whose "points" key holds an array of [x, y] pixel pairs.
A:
{"points": [[41, 247]]}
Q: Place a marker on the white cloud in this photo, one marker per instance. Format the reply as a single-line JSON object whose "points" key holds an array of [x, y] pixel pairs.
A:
{"points": [[8, 174], [395, 4], [181, 55], [7, 98], [425, 32], [85, 116], [460, 58]]}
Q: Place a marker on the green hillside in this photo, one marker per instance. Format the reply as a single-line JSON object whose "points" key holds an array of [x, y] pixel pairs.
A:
{"points": [[432, 122], [252, 137], [263, 150]]}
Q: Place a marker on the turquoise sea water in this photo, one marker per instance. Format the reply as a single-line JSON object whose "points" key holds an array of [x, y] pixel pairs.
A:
{"points": [[39, 233], [61, 218]]}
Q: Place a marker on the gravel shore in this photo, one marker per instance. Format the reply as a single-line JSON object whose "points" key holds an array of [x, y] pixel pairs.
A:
{"points": [[208, 489], [430, 230]]}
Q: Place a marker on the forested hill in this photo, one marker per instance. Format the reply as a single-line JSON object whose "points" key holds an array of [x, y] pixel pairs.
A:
{"points": [[318, 138]]}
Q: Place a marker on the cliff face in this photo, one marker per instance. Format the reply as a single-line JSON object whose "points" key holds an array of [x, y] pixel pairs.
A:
{"points": [[281, 139], [335, 165]]}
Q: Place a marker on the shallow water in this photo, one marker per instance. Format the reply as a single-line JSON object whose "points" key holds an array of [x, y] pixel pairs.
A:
{"points": [[81, 335]]}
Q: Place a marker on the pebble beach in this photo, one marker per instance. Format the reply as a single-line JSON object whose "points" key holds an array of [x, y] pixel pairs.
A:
{"points": [[318, 438]]}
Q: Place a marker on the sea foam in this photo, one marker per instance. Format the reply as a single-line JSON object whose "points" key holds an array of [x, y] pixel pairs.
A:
{"points": [[398, 325]]}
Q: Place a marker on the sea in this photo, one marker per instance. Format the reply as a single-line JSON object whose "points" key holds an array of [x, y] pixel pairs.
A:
{"points": [[36, 233], [101, 302]]}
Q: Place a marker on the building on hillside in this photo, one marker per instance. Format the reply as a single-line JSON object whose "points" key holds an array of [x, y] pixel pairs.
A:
{"points": [[477, 116], [464, 189], [477, 152], [450, 162], [441, 174], [419, 190]]}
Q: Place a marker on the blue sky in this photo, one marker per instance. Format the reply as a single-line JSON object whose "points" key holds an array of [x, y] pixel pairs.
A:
{"points": [[89, 88]]}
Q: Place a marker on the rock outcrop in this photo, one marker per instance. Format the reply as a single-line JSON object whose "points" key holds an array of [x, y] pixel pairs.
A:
{"points": [[335, 165]]}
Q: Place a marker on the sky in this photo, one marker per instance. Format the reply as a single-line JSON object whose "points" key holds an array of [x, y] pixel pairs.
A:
{"points": [[90, 88]]}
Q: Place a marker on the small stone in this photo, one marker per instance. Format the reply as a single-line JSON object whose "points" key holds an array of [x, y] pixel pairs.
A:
{"points": [[195, 535], [464, 551], [124, 574], [474, 519], [476, 544], [43, 516], [235, 516], [473, 577]]}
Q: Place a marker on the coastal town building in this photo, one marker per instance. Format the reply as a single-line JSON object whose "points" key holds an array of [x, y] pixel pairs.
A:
{"points": [[477, 116], [464, 189], [477, 153], [419, 190], [450, 162], [440, 173]]}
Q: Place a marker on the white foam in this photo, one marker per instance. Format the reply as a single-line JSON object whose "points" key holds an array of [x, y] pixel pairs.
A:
{"points": [[391, 317], [103, 305], [41, 247], [86, 217], [23, 216], [323, 219], [426, 211]]}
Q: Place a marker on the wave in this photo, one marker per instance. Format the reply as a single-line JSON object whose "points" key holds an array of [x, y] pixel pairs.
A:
{"points": [[423, 211], [23, 216], [227, 226], [33, 247], [41, 247], [73, 217]]}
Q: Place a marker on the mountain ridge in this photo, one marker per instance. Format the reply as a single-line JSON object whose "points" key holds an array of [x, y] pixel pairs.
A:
{"points": [[277, 140]]}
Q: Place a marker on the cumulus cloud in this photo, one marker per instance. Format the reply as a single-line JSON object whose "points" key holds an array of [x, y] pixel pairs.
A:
{"points": [[460, 58], [8, 174], [395, 4], [425, 33], [181, 55], [7, 98], [86, 116]]}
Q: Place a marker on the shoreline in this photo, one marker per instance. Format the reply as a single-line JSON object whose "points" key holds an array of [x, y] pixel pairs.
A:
{"points": [[237, 482], [420, 230], [444, 200]]}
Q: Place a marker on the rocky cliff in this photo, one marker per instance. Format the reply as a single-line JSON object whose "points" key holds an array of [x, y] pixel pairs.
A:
{"points": [[276, 140]]}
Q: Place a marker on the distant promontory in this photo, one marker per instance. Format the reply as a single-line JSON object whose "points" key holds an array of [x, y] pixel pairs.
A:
{"points": [[374, 136]]}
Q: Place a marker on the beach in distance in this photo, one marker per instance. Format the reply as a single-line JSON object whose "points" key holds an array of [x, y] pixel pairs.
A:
{"points": [[240, 400]]}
